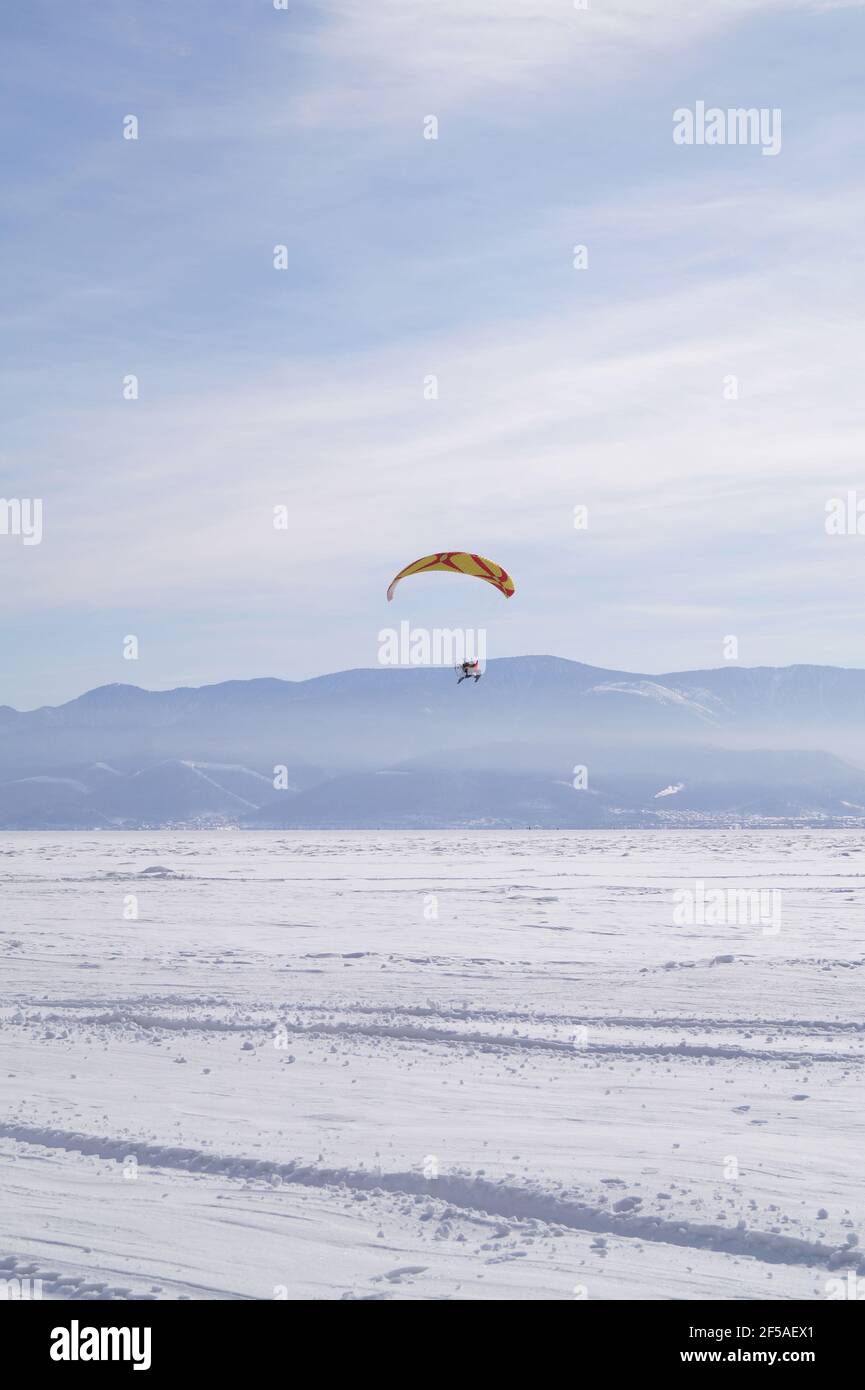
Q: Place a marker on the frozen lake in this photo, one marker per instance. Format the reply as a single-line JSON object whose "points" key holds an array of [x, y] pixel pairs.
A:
{"points": [[438, 1065]]}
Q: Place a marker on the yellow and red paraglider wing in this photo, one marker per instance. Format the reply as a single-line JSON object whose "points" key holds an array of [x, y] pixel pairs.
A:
{"points": [[459, 562]]}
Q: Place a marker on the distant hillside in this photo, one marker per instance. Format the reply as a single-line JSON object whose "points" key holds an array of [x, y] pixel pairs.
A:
{"points": [[391, 747]]}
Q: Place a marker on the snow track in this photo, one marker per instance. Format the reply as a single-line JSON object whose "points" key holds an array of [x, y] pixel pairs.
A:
{"points": [[475, 1195], [380, 1067], [467, 1037]]}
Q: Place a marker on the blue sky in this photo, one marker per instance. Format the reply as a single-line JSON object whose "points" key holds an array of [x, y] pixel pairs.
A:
{"points": [[410, 257]]}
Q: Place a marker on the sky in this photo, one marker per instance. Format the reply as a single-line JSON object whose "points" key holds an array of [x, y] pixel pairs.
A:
{"points": [[695, 383]]}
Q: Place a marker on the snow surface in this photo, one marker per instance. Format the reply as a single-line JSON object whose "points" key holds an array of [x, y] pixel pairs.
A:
{"points": [[428, 1066]]}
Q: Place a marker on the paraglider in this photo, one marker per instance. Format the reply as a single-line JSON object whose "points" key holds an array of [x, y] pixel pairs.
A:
{"points": [[458, 562], [469, 668]]}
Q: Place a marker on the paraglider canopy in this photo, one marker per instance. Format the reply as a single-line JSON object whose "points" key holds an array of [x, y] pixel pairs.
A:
{"points": [[459, 562]]}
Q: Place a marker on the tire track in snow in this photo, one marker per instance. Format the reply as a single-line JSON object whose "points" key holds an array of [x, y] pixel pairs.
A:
{"points": [[408, 1034], [471, 1193], [802, 1026]]}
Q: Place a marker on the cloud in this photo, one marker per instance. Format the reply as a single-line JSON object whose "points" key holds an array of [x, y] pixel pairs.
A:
{"points": [[456, 50], [616, 405], [556, 387]]}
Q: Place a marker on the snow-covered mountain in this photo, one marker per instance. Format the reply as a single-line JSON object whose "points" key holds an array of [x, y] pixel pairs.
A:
{"points": [[408, 746]]}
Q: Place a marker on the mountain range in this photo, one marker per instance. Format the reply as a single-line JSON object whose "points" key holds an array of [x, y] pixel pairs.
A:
{"points": [[539, 741]]}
